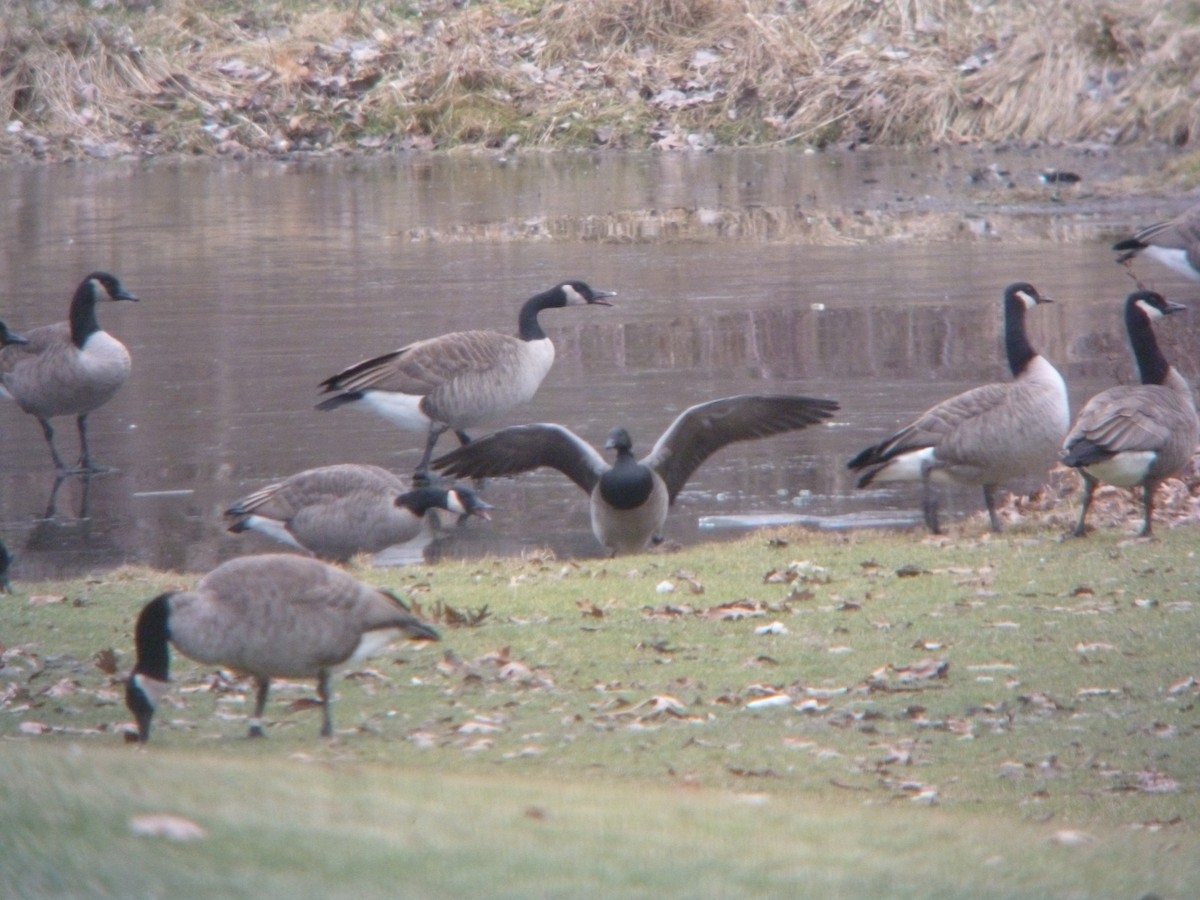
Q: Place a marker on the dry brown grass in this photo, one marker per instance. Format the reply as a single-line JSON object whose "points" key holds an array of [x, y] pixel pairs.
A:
{"points": [[274, 76]]}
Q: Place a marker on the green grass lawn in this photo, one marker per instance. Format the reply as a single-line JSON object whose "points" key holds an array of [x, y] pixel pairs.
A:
{"points": [[1004, 717]]}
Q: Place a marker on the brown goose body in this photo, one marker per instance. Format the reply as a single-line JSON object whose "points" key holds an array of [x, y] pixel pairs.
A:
{"points": [[458, 380], [629, 499], [269, 616], [337, 511], [1136, 435], [984, 436]]}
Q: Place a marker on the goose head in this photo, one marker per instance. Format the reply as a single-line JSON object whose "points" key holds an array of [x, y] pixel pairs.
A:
{"points": [[1026, 294], [1150, 304], [106, 286], [466, 502], [461, 501], [579, 293], [619, 440]]}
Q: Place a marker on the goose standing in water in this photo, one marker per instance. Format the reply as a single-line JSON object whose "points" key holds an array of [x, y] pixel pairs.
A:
{"points": [[1137, 434], [271, 616], [458, 380], [1174, 243], [630, 498], [984, 436], [69, 368], [337, 511]]}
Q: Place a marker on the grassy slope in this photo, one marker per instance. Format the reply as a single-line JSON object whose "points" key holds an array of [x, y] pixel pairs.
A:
{"points": [[535, 756]]}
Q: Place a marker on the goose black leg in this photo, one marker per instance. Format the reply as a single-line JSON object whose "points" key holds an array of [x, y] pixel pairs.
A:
{"points": [[260, 703]]}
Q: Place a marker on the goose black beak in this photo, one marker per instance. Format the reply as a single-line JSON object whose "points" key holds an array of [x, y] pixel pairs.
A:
{"points": [[600, 297]]}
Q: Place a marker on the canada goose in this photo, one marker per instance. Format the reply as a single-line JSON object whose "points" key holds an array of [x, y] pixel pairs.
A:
{"points": [[629, 499], [270, 616], [337, 511], [1137, 434], [461, 379], [5, 562], [69, 368], [983, 436], [1174, 243]]}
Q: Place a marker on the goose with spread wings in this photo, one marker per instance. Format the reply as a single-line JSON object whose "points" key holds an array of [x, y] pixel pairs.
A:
{"points": [[630, 497]]}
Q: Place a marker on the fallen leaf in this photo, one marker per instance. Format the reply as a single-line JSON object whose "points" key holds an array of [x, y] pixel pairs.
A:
{"points": [[46, 599], [771, 701], [164, 825], [1069, 837], [106, 661], [1151, 781]]}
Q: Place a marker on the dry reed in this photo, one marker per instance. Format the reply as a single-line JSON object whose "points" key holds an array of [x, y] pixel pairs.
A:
{"points": [[135, 76]]}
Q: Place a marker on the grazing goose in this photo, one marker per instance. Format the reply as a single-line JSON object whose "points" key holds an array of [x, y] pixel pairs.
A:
{"points": [[461, 379], [1174, 243], [69, 368], [1137, 434], [983, 436], [337, 511], [629, 499], [271, 616]]}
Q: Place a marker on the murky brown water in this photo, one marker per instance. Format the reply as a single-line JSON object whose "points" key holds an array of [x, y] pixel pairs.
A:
{"points": [[750, 272]]}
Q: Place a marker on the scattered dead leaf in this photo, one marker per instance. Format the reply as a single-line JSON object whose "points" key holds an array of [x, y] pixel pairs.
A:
{"points": [[1069, 837], [164, 825], [106, 661], [47, 599], [1151, 781]]}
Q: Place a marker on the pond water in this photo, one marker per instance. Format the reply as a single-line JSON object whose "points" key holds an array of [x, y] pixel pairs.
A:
{"points": [[872, 278]]}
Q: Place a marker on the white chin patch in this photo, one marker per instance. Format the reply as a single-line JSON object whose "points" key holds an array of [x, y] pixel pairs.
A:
{"points": [[454, 503], [1152, 312], [1029, 301], [574, 298]]}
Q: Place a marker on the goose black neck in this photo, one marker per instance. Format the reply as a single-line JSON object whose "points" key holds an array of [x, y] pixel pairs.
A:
{"points": [[1016, 343], [421, 500], [528, 327], [151, 635], [1152, 365], [628, 483], [83, 313]]}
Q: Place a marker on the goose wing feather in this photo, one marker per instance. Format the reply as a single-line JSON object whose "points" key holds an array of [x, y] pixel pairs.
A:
{"points": [[935, 426], [1121, 420], [421, 367], [293, 615], [283, 499], [523, 448], [702, 430]]}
